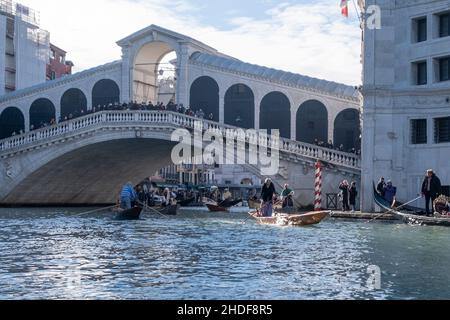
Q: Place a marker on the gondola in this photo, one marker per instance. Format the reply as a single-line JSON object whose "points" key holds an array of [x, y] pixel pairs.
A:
{"points": [[129, 214], [216, 208], [410, 215], [165, 211], [224, 206], [296, 220], [186, 203]]}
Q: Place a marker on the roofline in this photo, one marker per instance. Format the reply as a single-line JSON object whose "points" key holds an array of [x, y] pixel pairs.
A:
{"points": [[54, 83], [56, 47], [181, 37]]}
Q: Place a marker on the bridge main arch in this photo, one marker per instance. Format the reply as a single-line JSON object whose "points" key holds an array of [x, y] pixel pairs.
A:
{"points": [[92, 174]]}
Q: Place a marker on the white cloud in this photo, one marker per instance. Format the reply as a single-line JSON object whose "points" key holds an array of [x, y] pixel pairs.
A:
{"points": [[311, 39]]}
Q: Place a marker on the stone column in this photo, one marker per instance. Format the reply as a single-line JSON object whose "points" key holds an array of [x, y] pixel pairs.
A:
{"points": [[182, 95], [221, 105], [127, 79]]}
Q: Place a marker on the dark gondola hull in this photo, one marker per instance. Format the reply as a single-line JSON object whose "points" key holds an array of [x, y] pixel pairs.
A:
{"points": [[407, 215], [130, 214], [186, 203], [214, 208]]}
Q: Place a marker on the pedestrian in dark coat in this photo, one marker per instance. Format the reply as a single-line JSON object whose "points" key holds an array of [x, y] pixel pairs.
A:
{"points": [[431, 189], [344, 187], [353, 193]]}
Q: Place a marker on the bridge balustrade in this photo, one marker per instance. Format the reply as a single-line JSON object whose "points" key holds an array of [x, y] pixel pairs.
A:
{"points": [[177, 121]]}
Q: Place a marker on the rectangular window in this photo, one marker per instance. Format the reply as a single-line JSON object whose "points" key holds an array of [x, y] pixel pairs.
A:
{"points": [[421, 73], [419, 131], [444, 69], [421, 29], [444, 25], [442, 130]]}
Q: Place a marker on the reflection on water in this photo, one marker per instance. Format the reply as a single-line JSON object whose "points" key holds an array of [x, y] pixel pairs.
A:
{"points": [[57, 254]]}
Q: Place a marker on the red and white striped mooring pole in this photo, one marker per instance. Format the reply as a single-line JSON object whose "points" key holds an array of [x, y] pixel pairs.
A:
{"points": [[318, 187]]}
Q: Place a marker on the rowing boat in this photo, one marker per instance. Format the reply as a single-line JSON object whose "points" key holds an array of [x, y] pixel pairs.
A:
{"points": [[129, 214], [216, 208], [297, 220], [167, 211], [410, 215]]}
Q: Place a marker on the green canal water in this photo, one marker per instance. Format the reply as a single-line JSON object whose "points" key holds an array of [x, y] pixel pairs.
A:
{"points": [[55, 254]]}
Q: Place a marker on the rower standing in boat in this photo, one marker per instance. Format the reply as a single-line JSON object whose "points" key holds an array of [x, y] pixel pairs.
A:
{"points": [[127, 196], [431, 189], [267, 193]]}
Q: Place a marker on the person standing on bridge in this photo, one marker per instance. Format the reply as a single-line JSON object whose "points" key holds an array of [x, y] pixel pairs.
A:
{"points": [[127, 196], [267, 193]]}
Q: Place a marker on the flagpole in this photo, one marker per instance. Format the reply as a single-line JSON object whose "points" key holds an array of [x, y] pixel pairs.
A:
{"points": [[357, 12]]}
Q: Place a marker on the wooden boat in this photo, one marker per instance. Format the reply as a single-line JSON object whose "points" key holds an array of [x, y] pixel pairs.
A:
{"points": [[411, 215], [186, 203], [130, 214], [216, 208], [254, 204], [165, 211], [229, 203], [297, 220]]}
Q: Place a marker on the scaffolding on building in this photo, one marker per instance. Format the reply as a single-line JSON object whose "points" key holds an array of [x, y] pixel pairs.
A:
{"points": [[14, 9]]}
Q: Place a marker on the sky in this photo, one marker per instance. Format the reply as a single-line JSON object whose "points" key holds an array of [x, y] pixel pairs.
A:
{"points": [[309, 37]]}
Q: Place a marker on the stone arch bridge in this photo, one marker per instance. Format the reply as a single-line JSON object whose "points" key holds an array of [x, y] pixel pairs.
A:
{"points": [[86, 160]]}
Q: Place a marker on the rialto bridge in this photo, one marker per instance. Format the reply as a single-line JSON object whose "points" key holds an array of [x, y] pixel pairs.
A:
{"points": [[84, 161]]}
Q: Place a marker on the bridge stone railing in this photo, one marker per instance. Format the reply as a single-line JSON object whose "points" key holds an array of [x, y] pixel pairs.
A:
{"points": [[176, 120]]}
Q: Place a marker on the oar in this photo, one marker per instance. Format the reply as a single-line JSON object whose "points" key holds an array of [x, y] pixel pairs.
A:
{"points": [[147, 207], [97, 210], [393, 209]]}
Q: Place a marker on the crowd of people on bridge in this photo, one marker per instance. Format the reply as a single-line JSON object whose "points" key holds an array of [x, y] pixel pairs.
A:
{"points": [[341, 147]]}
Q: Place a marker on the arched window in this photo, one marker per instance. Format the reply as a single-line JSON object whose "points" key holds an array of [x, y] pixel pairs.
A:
{"points": [[11, 121], [275, 113], [205, 96], [105, 92], [312, 122], [42, 112], [73, 103], [240, 107], [347, 130]]}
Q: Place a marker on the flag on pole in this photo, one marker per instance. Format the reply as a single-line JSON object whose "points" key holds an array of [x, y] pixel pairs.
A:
{"points": [[344, 8]]}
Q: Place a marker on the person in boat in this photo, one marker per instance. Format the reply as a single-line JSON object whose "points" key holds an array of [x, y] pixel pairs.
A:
{"points": [[390, 192], [226, 198], [267, 193], [127, 196], [344, 187], [352, 195], [381, 186], [167, 195], [140, 194], [287, 197], [431, 189]]}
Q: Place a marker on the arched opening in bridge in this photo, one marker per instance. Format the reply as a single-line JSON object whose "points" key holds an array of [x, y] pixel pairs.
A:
{"points": [[347, 130], [312, 122], [205, 96], [73, 103], [275, 113], [11, 121], [42, 112], [155, 73], [240, 106], [105, 91]]}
